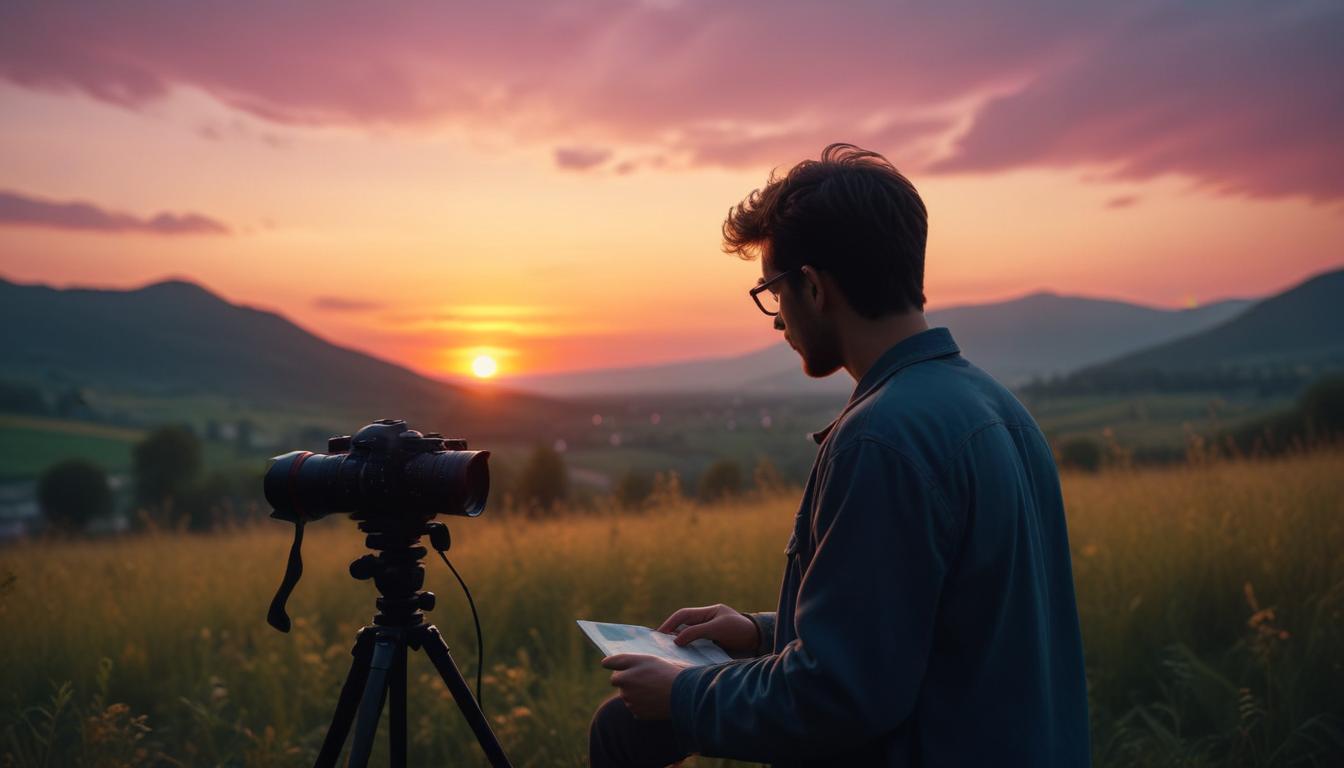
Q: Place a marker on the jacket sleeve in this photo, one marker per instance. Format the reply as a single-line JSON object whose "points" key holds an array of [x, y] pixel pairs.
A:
{"points": [[865, 614], [765, 628]]}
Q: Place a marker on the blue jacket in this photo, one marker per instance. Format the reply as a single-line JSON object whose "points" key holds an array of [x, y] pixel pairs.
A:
{"points": [[927, 615]]}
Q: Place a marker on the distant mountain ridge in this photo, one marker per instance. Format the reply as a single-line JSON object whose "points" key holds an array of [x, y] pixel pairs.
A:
{"points": [[177, 338], [1038, 335], [1300, 329]]}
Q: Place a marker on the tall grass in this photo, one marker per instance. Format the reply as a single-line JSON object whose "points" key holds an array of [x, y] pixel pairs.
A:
{"points": [[1211, 597]]}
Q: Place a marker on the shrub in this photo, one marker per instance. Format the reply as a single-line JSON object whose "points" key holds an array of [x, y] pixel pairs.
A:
{"points": [[167, 462], [1080, 453], [1322, 407], [221, 499], [73, 492], [634, 489], [766, 476], [721, 480], [543, 481]]}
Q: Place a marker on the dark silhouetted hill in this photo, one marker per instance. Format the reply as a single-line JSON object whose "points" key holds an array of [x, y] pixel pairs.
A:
{"points": [[175, 339], [1282, 341]]}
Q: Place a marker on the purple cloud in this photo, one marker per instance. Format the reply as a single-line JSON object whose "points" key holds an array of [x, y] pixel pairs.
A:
{"points": [[20, 210], [1240, 96], [1123, 201]]}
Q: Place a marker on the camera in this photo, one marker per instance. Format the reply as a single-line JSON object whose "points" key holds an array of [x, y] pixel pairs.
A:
{"points": [[393, 480], [384, 471]]}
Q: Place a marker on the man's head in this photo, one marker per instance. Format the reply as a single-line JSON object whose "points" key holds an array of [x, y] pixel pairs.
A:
{"points": [[848, 233]]}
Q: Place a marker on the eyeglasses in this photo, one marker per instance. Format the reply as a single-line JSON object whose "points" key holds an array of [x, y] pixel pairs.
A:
{"points": [[770, 305]]}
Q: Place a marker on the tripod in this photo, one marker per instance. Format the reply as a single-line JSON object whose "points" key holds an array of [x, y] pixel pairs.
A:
{"points": [[378, 671]]}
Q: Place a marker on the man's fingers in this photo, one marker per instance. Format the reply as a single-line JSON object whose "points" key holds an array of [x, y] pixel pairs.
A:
{"points": [[625, 660], [687, 616], [696, 631], [679, 617]]}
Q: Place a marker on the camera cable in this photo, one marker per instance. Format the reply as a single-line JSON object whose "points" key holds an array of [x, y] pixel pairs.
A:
{"points": [[480, 642]]}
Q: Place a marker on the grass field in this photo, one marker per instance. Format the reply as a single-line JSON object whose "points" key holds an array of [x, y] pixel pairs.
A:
{"points": [[1149, 423], [1211, 597]]}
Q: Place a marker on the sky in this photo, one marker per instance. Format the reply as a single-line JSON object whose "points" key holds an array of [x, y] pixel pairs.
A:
{"points": [[544, 183]]}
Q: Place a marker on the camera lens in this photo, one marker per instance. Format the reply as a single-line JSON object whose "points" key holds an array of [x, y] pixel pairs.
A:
{"points": [[448, 482], [305, 484]]}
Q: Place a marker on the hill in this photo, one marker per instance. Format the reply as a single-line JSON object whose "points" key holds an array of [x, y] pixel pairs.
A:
{"points": [[176, 339], [1039, 335], [1282, 341]]}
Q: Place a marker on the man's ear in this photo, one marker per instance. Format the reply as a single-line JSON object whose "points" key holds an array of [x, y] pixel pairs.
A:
{"points": [[814, 289]]}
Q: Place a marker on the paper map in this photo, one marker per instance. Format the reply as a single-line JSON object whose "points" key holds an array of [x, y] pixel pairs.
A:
{"points": [[612, 639]]}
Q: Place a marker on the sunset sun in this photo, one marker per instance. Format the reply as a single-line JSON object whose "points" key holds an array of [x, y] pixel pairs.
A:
{"points": [[484, 366]]}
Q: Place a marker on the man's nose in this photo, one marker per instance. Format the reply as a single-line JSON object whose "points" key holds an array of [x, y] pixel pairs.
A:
{"points": [[779, 322]]}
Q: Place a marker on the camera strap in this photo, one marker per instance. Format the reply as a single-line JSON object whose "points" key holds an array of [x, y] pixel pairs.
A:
{"points": [[276, 616]]}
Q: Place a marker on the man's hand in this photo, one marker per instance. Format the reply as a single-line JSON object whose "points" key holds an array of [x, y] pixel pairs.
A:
{"points": [[645, 683], [733, 632]]}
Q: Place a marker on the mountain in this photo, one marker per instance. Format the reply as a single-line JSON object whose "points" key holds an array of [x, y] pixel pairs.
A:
{"points": [[1300, 330], [1039, 335], [735, 373], [176, 338]]}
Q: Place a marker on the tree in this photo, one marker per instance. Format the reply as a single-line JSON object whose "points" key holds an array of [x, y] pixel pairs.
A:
{"points": [[73, 492], [543, 481], [633, 489], [167, 462], [1322, 407], [722, 479], [220, 499], [21, 398], [1080, 453]]}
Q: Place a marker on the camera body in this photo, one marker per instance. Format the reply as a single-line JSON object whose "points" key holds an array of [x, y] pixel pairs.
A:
{"points": [[384, 471], [393, 480]]}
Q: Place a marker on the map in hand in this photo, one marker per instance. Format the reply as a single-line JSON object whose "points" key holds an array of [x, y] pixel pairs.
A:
{"points": [[612, 639]]}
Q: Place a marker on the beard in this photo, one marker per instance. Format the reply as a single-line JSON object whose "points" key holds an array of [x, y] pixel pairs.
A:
{"points": [[820, 369], [819, 351]]}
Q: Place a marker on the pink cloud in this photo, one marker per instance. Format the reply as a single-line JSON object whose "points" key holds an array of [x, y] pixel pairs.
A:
{"points": [[581, 158], [21, 210], [1241, 97]]}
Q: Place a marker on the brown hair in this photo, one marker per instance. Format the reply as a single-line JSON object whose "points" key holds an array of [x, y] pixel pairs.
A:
{"points": [[851, 214]]}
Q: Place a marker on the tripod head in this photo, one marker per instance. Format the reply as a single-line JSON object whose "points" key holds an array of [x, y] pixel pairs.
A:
{"points": [[396, 569]]}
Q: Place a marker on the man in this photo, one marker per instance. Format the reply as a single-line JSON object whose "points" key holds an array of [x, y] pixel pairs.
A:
{"points": [[927, 613]]}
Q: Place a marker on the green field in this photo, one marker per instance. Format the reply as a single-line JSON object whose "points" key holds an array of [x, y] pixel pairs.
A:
{"points": [[1211, 597], [1149, 424], [29, 445]]}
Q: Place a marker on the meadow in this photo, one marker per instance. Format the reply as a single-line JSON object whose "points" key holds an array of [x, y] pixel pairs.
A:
{"points": [[1211, 596]]}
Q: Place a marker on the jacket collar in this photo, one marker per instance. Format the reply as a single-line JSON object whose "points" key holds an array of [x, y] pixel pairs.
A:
{"points": [[926, 345]]}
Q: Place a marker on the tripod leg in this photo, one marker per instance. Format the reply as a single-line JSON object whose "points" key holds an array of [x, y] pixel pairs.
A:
{"points": [[348, 704], [371, 707], [396, 694], [471, 710]]}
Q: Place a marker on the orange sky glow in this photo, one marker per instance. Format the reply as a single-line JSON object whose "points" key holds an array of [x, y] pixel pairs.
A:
{"points": [[549, 240]]}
